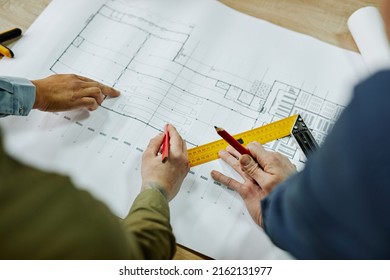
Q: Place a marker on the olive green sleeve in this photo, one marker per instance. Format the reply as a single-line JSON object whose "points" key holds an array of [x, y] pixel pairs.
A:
{"points": [[43, 216], [148, 222]]}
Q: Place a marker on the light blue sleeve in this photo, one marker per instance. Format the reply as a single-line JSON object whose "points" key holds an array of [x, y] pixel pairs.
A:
{"points": [[17, 96]]}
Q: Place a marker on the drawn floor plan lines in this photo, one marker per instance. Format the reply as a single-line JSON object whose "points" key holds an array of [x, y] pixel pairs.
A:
{"points": [[187, 63], [170, 84]]}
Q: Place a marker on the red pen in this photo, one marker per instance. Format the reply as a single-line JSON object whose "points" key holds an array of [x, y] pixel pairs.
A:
{"points": [[165, 145], [232, 142]]}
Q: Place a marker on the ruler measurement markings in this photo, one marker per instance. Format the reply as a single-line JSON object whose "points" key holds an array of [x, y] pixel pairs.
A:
{"points": [[262, 134]]}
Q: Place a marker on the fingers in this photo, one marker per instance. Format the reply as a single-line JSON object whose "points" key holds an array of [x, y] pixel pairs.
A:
{"points": [[250, 167], [109, 91], [93, 92], [258, 152], [227, 181], [184, 148], [82, 78], [230, 159], [106, 90], [62, 92], [154, 145], [87, 102], [245, 165], [176, 143], [233, 152], [91, 96]]}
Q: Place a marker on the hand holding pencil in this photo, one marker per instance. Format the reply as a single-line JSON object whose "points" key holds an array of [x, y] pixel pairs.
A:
{"points": [[261, 171], [166, 176]]}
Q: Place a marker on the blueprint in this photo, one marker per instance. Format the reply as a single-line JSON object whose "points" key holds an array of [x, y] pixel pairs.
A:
{"points": [[194, 64]]}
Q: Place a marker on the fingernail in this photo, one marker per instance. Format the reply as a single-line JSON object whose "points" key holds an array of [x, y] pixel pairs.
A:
{"points": [[246, 160]]}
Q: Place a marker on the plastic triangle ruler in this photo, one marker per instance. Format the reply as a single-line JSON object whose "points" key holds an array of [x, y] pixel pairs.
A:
{"points": [[290, 126]]}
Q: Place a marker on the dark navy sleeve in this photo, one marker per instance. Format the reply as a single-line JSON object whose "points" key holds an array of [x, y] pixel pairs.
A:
{"points": [[338, 207]]}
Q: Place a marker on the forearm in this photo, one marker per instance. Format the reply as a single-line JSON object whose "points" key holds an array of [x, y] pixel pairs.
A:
{"points": [[149, 224], [17, 96]]}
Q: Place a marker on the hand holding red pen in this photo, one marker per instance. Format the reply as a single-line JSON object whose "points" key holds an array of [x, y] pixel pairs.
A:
{"points": [[167, 176]]}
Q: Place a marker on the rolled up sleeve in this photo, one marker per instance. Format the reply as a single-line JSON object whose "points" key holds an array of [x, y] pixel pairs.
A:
{"points": [[17, 96]]}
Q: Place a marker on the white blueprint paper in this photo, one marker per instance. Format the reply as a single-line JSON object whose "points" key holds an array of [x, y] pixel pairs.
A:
{"points": [[368, 30], [195, 64]]}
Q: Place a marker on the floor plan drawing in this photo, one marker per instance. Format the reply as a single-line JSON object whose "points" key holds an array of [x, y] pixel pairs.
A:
{"points": [[175, 65], [169, 84]]}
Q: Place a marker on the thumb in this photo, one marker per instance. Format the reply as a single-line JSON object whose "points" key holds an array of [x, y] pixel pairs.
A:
{"points": [[250, 167]]}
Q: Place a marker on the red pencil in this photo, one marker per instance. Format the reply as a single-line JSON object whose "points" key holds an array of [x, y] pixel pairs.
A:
{"points": [[232, 142], [165, 145]]}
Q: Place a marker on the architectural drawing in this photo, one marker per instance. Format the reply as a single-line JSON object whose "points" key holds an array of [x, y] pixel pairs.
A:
{"points": [[172, 84], [193, 75]]}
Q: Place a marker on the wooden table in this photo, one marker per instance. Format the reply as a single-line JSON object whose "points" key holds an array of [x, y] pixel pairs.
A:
{"points": [[325, 20]]}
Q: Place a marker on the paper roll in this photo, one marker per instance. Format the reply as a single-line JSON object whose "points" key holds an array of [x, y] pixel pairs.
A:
{"points": [[368, 30]]}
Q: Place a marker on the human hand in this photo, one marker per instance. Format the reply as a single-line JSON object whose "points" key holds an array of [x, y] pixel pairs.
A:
{"points": [[261, 173], [64, 92], [167, 176]]}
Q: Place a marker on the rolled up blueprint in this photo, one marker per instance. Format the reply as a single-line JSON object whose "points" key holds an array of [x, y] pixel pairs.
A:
{"points": [[368, 30]]}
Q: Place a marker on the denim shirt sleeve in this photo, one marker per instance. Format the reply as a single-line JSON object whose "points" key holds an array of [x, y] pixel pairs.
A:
{"points": [[17, 96]]}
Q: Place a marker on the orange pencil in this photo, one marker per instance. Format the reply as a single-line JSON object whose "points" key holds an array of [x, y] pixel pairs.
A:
{"points": [[165, 145], [232, 142]]}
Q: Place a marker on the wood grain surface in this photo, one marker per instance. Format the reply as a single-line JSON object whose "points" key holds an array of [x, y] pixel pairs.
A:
{"points": [[322, 19]]}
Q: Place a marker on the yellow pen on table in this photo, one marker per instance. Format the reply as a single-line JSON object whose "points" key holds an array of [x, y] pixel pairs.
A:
{"points": [[4, 51]]}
